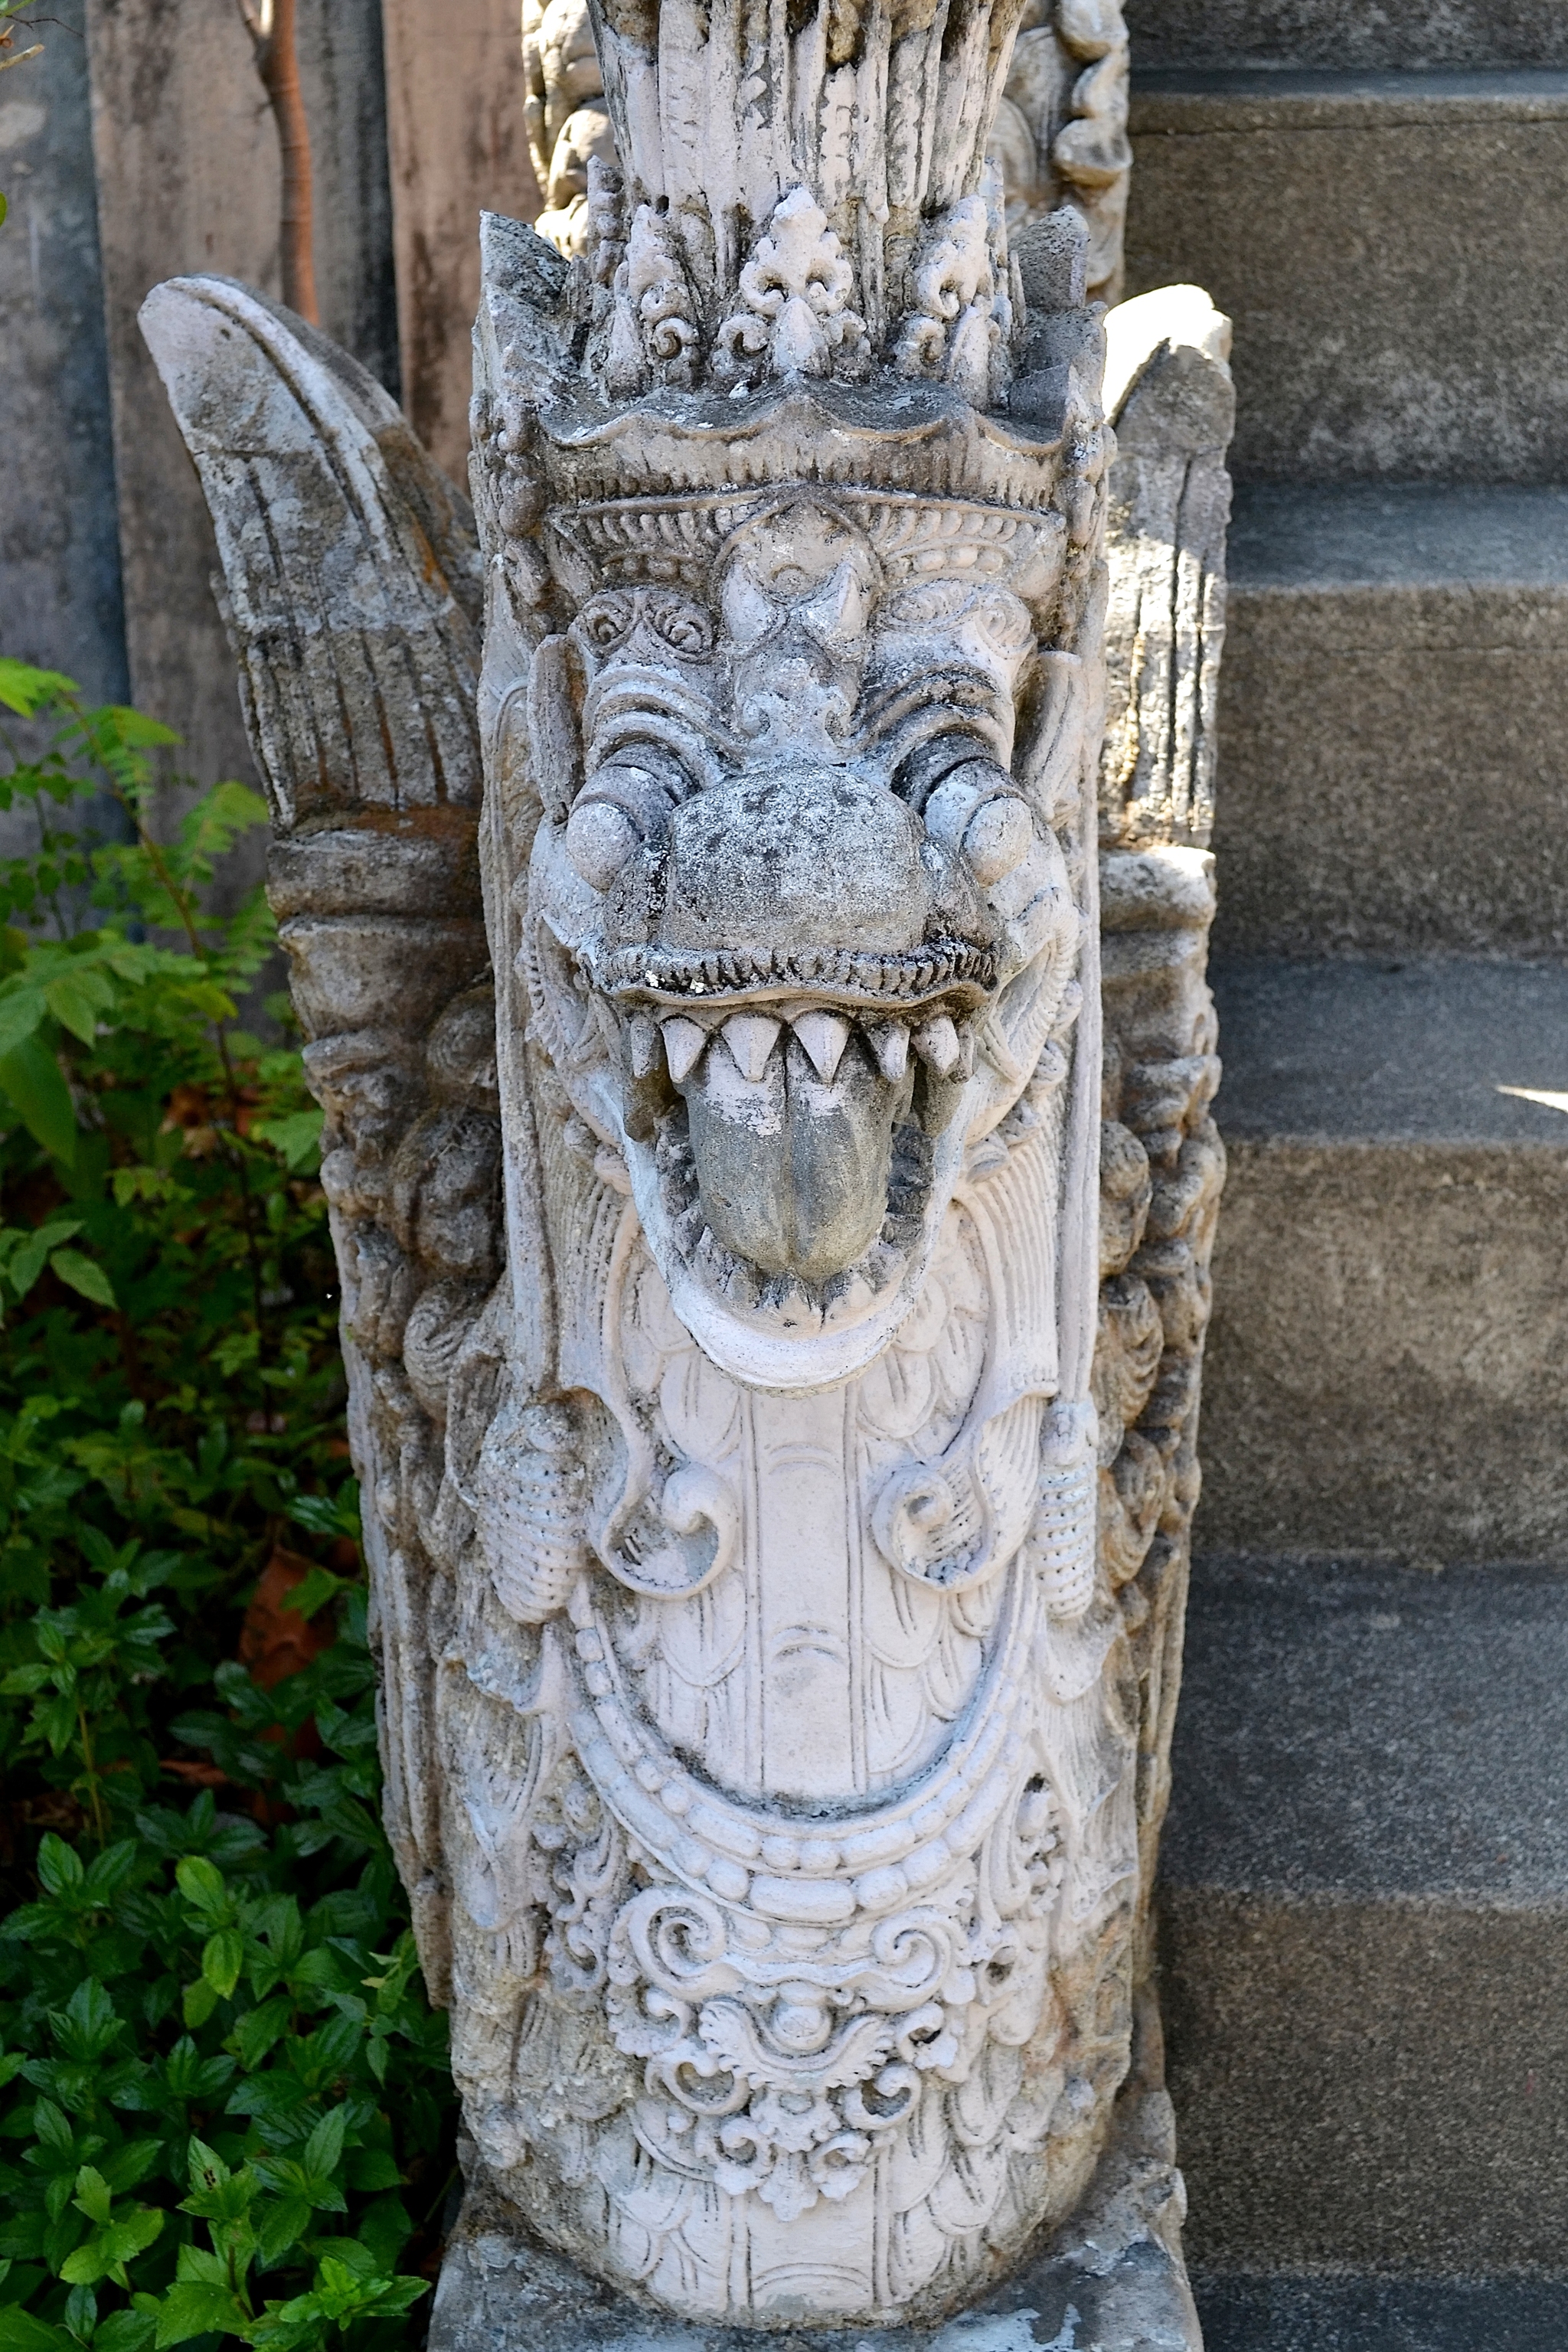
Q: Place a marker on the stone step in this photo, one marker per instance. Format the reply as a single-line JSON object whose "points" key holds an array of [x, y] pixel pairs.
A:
{"points": [[1388, 246], [1281, 2313], [1387, 1367], [1396, 664], [1365, 1930], [1420, 34]]}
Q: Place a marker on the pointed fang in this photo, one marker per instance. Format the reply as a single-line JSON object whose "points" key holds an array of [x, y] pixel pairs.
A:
{"points": [[824, 1036], [683, 1044], [891, 1047], [937, 1043], [751, 1037]]}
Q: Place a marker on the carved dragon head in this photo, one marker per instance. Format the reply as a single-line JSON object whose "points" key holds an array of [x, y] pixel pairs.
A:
{"points": [[802, 929]]}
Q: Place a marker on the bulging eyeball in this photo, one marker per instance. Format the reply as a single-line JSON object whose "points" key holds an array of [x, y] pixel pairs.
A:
{"points": [[997, 838], [600, 838]]}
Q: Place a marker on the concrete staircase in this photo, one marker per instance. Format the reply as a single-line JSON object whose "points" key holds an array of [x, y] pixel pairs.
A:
{"points": [[1365, 1874]]}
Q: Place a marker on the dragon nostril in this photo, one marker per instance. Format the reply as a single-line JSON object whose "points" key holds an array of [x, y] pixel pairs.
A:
{"points": [[599, 837], [997, 838]]}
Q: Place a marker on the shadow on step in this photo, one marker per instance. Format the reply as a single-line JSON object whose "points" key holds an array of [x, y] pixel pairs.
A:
{"points": [[1370, 2314]]}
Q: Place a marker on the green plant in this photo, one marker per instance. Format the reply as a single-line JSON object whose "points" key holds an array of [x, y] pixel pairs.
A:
{"points": [[226, 2112]]}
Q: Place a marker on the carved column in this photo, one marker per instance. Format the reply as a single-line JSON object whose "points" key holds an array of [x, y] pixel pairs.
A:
{"points": [[767, 1745], [1060, 133]]}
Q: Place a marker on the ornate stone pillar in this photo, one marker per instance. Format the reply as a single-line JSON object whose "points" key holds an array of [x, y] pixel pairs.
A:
{"points": [[773, 1746]]}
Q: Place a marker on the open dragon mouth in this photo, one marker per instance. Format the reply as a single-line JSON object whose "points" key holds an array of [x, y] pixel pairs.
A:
{"points": [[794, 971], [795, 1135]]}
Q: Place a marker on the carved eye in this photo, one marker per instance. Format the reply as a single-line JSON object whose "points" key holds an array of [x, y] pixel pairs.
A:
{"points": [[686, 627], [606, 622]]}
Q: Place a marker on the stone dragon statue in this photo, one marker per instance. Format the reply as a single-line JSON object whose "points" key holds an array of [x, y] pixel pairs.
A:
{"points": [[687, 863]]}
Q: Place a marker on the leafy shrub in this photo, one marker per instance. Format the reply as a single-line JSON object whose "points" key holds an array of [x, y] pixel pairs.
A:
{"points": [[225, 2108]]}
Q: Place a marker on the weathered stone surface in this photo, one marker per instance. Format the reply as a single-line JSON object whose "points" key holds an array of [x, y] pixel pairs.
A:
{"points": [[692, 1660], [1390, 1745], [1393, 1381], [1363, 1918], [59, 557], [1060, 133], [1397, 659], [1114, 2280], [775, 1748], [1346, 34], [1278, 191], [1370, 2084]]}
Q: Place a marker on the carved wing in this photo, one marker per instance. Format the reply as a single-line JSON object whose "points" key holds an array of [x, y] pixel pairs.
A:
{"points": [[352, 590], [1170, 395]]}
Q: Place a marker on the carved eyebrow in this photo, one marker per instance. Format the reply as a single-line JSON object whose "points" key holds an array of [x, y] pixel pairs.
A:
{"points": [[899, 718]]}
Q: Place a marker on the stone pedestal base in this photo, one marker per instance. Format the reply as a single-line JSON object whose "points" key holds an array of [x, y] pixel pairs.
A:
{"points": [[1112, 2281]]}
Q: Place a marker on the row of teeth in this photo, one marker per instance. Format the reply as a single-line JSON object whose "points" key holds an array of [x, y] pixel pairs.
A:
{"points": [[785, 1301], [913, 974], [946, 1051]]}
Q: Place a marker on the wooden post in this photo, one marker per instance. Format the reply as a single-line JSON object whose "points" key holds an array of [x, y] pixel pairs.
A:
{"points": [[186, 160], [455, 94]]}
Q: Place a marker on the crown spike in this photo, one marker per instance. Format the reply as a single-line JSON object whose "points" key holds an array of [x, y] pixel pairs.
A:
{"points": [[878, 113]]}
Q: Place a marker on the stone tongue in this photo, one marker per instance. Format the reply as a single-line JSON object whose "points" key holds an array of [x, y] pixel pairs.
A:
{"points": [[793, 1149]]}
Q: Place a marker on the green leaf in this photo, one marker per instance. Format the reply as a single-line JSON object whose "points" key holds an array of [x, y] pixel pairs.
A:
{"points": [[137, 732], [50, 2127], [111, 2247], [124, 2331], [323, 2151], [59, 1865], [20, 2331], [373, 2167], [260, 2027], [25, 689], [23, 1680], [196, 2307], [87, 2027], [92, 2194], [281, 2226], [31, 1080], [27, 1262], [197, 2003], [200, 1882], [83, 1276], [295, 1136], [22, 1012], [200, 2263], [223, 1956], [314, 1589], [77, 998]]}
